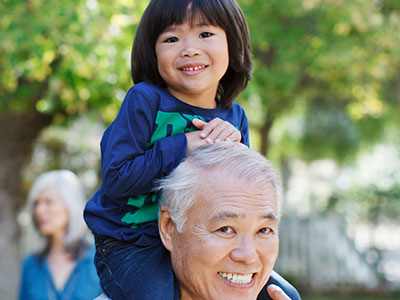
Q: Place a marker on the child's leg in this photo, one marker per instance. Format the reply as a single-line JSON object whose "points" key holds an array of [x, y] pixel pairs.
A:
{"points": [[128, 271]]}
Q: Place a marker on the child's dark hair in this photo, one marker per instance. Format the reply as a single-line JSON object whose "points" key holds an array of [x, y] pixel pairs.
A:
{"points": [[223, 13]]}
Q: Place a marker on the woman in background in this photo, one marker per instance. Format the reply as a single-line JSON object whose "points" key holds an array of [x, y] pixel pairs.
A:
{"points": [[63, 269]]}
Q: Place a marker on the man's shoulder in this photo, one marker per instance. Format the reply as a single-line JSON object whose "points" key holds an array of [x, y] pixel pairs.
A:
{"points": [[278, 280]]}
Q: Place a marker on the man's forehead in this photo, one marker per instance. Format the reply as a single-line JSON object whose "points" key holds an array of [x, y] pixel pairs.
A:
{"points": [[233, 215], [226, 185], [237, 203], [221, 190]]}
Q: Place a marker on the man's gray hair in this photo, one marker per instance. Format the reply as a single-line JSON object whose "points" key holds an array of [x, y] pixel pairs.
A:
{"points": [[70, 189], [180, 188]]}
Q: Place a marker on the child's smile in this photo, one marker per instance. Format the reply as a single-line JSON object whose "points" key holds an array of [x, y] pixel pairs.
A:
{"points": [[192, 69], [192, 60]]}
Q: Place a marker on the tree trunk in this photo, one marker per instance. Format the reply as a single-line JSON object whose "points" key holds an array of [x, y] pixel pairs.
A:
{"points": [[18, 133], [264, 133]]}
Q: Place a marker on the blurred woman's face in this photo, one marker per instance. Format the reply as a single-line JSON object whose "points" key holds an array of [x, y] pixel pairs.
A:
{"points": [[50, 213]]}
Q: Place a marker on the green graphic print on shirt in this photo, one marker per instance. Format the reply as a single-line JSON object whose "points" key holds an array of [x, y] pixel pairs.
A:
{"points": [[145, 206]]}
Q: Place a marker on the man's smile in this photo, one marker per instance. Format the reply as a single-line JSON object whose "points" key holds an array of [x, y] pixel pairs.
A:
{"points": [[237, 278]]}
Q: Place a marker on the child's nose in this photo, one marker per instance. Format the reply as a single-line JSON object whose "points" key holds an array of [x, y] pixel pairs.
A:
{"points": [[190, 49]]}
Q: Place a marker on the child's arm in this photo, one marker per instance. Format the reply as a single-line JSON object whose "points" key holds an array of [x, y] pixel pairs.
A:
{"points": [[194, 140], [129, 163]]}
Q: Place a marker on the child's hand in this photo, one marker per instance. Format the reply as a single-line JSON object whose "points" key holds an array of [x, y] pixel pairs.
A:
{"points": [[217, 130], [276, 293], [194, 140]]}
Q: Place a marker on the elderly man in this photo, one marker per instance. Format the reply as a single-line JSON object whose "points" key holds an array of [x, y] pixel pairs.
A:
{"points": [[219, 218]]}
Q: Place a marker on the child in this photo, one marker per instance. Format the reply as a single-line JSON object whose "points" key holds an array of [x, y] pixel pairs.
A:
{"points": [[190, 59]]}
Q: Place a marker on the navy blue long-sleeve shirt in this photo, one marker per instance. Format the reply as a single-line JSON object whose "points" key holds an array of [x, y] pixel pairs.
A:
{"points": [[145, 142]]}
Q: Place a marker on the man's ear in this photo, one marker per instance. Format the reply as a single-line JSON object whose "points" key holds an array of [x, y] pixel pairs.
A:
{"points": [[166, 228]]}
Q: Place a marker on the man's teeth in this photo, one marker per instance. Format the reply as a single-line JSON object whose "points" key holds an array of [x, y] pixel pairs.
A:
{"points": [[237, 278], [193, 68]]}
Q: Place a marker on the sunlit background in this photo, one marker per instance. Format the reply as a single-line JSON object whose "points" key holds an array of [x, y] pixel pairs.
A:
{"points": [[323, 105]]}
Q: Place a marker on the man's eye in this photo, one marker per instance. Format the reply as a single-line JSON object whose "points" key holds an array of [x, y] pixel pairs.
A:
{"points": [[171, 40], [225, 229], [266, 230], [206, 34]]}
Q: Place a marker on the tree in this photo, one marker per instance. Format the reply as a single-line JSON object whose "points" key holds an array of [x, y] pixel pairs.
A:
{"points": [[57, 60], [333, 65]]}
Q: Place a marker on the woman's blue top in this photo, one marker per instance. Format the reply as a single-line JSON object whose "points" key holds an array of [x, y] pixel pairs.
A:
{"points": [[37, 282]]}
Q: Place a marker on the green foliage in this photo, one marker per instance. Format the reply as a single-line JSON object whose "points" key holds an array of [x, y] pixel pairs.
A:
{"points": [[338, 59], [373, 204], [328, 131], [66, 57]]}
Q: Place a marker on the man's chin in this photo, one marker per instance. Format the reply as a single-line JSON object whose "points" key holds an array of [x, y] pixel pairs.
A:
{"points": [[235, 292]]}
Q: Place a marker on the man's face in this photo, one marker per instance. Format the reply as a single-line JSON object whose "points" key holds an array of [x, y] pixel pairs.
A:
{"points": [[229, 242]]}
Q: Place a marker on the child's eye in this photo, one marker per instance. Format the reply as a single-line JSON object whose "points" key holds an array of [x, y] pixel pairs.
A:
{"points": [[171, 40], [204, 35]]}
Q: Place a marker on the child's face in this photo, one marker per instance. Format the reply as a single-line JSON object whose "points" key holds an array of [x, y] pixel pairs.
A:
{"points": [[192, 60]]}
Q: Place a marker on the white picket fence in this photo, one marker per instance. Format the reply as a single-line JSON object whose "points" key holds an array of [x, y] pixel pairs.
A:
{"points": [[317, 252]]}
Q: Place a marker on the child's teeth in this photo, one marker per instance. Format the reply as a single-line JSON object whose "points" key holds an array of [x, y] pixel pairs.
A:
{"points": [[193, 68]]}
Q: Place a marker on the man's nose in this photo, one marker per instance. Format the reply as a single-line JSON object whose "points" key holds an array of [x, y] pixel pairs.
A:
{"points": [[245, 251]]}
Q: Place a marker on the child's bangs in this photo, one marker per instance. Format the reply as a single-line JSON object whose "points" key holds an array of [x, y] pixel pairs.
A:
{"points": [[192, 11]]}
